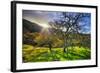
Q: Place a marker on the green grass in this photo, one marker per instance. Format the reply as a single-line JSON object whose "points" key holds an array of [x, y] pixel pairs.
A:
{"points": [[43, 54]]}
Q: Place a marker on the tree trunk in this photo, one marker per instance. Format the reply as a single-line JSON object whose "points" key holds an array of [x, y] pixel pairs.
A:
{"points": [[65, 45], [64, 49], [50, 47]]}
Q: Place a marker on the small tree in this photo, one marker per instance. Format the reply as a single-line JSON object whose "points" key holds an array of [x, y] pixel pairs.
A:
{"points": [[44, 39]]}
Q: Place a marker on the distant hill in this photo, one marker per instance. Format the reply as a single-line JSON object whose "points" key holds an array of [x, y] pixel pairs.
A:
{"points": [[30, 26]]}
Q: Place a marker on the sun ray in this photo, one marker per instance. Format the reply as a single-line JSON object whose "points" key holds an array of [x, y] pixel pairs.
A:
{"points": [[44, 25]]}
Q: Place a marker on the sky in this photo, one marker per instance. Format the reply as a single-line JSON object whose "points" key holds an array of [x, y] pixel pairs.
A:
{"points": [[44, 17]]}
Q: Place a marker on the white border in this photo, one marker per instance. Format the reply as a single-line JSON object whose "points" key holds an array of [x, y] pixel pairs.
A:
{"points": [[21, 65]]}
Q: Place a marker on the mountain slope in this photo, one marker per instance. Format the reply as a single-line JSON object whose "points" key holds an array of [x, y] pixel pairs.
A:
{"points": [[30, 26]]}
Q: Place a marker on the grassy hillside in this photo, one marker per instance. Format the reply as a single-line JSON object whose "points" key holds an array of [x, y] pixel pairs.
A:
{"points": [[43, 54]]}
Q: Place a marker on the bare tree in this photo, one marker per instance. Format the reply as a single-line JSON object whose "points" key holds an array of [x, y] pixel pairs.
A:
{"points": [[67, 24]]}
